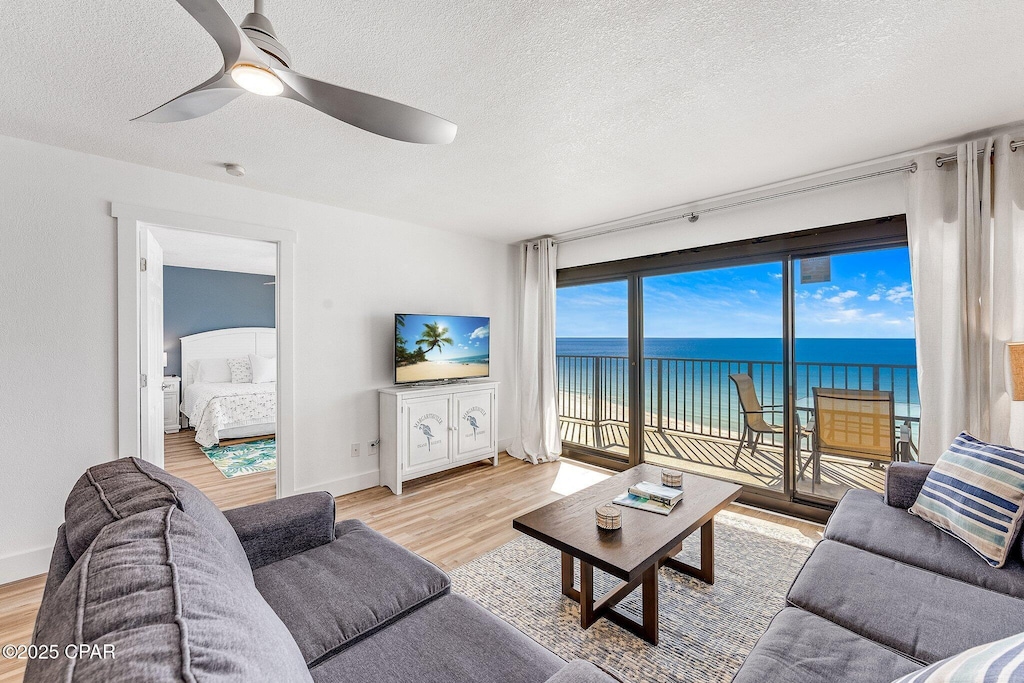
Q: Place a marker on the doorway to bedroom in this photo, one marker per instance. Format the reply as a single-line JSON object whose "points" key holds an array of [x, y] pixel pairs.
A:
{"points": [[219, 382]]}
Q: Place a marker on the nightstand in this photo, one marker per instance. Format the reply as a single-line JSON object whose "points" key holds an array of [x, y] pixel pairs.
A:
{"points": [[172, 391]]}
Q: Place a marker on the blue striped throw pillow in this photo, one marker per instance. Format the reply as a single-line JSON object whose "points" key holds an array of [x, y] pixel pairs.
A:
{"points": [[1000, 661], [976, 492]]}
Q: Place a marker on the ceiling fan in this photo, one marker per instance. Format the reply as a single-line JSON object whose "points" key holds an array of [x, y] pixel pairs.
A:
{"points": [[255, 61]]}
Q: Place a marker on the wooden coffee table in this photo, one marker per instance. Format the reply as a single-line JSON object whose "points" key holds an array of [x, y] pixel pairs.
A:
{"points": [[634, 553]]}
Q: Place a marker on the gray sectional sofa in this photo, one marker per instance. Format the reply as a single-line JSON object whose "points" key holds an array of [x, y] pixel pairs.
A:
{"points": [[884, 594], [160, 585]]}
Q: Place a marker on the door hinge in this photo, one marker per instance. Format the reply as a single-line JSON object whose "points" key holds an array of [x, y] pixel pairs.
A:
{"points": [[143, 381], [143, 264]]}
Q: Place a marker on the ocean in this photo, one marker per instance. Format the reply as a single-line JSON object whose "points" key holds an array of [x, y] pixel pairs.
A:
{"points": [[855, 351], [696, 394]]}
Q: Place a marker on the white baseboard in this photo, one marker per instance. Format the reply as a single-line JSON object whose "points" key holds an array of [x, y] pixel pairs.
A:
{"points": [[339, 487], [23, 565], [503, 444]]}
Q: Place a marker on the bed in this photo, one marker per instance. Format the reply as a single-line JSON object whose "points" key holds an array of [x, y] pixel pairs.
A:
{"points": [[216, 407]]}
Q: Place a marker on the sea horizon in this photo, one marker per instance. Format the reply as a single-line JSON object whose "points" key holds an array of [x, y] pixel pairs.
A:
{"points": [[839, 351]]}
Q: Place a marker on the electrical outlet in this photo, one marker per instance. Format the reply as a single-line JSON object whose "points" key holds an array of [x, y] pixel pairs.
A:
{"points": [[355, 450], [373, 446]]}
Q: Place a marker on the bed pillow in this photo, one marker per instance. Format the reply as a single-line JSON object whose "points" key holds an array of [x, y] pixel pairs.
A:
{"points": [[998, 661], [975, 492], [241, 370], [263, 369], [214, 370]]}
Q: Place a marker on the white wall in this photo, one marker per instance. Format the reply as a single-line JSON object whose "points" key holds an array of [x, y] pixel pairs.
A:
{"points": [[58, 323], [881, 196]]}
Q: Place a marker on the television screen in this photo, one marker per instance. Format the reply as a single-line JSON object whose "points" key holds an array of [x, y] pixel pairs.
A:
{"points": [[441, 347]]}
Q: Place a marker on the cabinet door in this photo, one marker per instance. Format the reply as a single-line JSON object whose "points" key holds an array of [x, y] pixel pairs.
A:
{"points": [[426, 432], [474, 420], [170, 411]]}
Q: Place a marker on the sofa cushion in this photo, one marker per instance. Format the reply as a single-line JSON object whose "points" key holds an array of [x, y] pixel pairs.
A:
{"points": [[864, 521], [976, 492], [121, 488], [990, 663], [167, 600], [332, 595], [450, 639], [899, 606], [799, 647], [105, 494]]}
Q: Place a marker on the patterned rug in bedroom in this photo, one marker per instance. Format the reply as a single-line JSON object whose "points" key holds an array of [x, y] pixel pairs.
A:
{"points": [[705, 631], [244, 458]]}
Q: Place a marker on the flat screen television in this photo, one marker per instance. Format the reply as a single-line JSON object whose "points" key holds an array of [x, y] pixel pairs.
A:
{"points": [[436, 348]]}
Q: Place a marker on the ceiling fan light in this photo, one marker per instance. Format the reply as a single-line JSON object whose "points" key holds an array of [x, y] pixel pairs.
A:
{"points": [[257, 80]]}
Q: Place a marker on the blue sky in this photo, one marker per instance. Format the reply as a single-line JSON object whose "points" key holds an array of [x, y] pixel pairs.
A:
{"points": [[869, 296], [471, 335]]}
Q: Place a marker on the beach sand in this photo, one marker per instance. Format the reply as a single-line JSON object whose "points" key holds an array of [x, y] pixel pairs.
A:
{"points": [[422, 372]]}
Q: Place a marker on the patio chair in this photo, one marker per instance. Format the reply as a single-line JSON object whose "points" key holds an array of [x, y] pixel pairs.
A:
{"points": [[853, 423], [753, 416]]}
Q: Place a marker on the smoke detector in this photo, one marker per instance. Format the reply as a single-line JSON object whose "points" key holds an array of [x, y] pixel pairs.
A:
{"points": [[236, 170]]}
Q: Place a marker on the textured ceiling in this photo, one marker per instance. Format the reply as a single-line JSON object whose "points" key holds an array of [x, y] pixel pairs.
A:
{"points": [[569, 113]]}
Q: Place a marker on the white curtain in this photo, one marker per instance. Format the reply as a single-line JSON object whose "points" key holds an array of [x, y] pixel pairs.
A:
{"points": [[538, 439], [965, 225], [1006, 289]]}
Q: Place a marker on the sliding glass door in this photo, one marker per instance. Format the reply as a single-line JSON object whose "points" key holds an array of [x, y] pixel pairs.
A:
{"points": [[786, 366], [855, 369], [592, 356], [713, 338]]}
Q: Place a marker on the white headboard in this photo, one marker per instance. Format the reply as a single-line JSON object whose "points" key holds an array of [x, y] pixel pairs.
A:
{"points": [[228, 343]]}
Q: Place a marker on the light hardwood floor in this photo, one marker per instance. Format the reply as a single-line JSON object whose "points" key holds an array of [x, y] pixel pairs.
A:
{"points": [[449, 518]]}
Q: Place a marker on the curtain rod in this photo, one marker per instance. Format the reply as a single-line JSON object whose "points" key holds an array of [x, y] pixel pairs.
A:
{"points": [[693, 216], [1014, 146]]}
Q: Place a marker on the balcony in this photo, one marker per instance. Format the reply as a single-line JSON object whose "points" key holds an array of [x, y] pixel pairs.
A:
{"points": [[693, 421]]}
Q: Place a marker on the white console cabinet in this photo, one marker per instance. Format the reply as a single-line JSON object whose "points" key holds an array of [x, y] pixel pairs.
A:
{"points": [[429, 429]]}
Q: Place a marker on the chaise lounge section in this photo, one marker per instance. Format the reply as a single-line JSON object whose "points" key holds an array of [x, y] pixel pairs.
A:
{"points": [[147, 567], [885, 594]]}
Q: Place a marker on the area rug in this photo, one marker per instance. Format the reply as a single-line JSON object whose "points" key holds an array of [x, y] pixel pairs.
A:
{"points": [[244, 458], [705, 631]]}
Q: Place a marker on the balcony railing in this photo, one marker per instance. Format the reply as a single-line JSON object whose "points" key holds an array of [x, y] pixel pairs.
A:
{"points": [[695, 396]]}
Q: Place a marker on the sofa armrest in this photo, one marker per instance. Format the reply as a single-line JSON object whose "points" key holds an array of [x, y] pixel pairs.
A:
{"points": [[903, 481], [579, 671], [284, 527]]}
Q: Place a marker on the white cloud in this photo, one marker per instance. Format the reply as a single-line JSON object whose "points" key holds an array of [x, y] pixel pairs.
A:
{"points": [[841, 297], [899, 294], [777, 276], [480, 332], [875, 297], [753, 292]]}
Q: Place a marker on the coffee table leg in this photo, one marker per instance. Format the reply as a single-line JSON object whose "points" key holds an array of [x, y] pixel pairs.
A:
{"points": [[706, 571], [591, 611], [586, 594], [568, 580], [649, 591]]}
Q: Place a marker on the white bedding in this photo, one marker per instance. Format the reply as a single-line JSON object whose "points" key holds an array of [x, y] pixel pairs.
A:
{"points": [[214, 407]]}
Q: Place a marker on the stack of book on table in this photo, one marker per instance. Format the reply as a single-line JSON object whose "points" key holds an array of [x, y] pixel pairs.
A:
{"points": [[650, 497]]}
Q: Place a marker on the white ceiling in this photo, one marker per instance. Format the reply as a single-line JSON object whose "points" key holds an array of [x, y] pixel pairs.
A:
{"points": [[569, 113], [216, 252]]}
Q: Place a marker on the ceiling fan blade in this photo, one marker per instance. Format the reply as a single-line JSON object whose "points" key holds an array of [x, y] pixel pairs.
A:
{"points": [[233, 43], [199, 101], [371, 113]]}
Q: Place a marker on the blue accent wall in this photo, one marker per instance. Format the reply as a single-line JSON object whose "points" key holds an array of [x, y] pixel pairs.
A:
{"points": [[198, 300]]}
